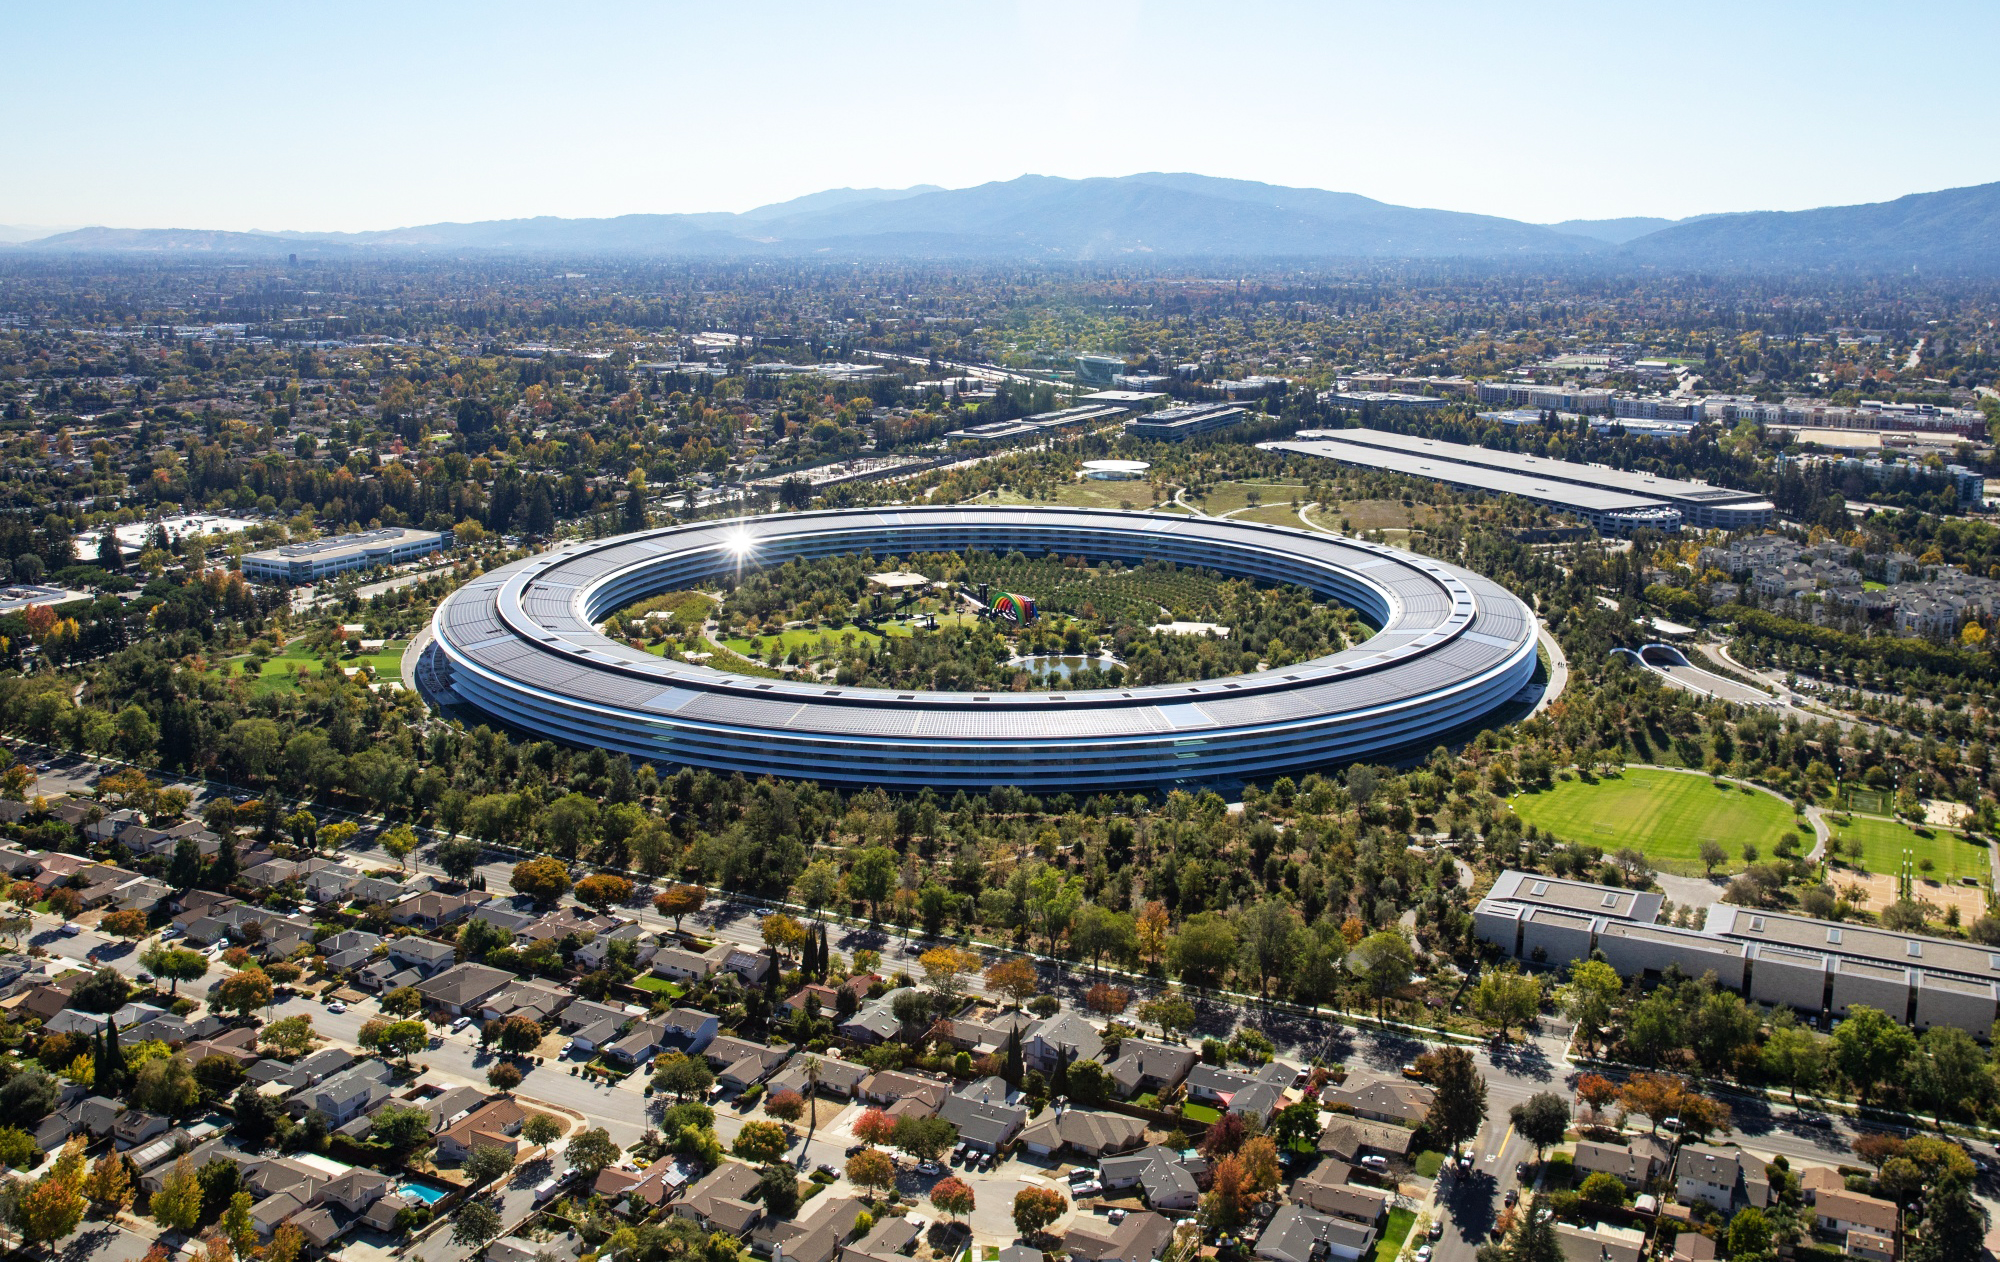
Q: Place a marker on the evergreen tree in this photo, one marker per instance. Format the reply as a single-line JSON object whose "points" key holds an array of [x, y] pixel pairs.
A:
{"points": [[1952, 1226], [222, 872], [1014, 1067], [1059, 1075], [184, 869]]}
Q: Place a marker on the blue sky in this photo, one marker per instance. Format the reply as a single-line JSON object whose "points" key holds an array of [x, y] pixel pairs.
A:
{"points": [[362, 115]]}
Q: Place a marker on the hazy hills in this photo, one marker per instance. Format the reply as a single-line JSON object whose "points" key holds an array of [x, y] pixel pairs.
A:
{"points": [[1161, 216]]}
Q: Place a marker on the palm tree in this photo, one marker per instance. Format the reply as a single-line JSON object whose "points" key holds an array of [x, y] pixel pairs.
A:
{"points": [[812, 1107]]}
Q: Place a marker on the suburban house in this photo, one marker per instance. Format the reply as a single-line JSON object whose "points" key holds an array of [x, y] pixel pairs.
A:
{"points": [[682, 965], [1143, 1065], [1843, 1213], [1169, 1179], [1262, 1093], [1601, 1243], [738, 1062], [434, 911], [718, 1202], [496, 1124], [1637, 1162], [1348, 1138], [1381, 1100], [841, 1078], [679, 1029], [1064, 1034], [1721, 1177], [1083, 1131], [1327, 1191], [1141, 1237], [648, 1188], [460, 989], [876, 1022], [1298, 1234], [985, 1120], [427, 957]]}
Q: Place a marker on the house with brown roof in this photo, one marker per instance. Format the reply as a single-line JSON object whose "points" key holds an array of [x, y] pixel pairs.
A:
{"points": [[461, 989], [1327, 1190], [720, 1201], [496, 1124], [894, 1087], [650, 1187], [1636, 1162], [1144, 1065], [433, 910], [1087, 1132], [1381, 1100], [1141, 1237], [738, 1063], [1348, 1138], [1842, 1212]]}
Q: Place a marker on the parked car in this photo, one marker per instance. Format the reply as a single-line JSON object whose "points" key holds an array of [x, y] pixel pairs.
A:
{"points": [[928, 1168], [1423, 1253], [1413, 1072], [1513, 1197], [828, 1170], [70, 929], [460, 1024], [1116, 1216], [1378, 1164], [853, 1149], [1091, 1188], [1670, 1124], [1437, 1229], [336, 1007], [985, 1161]]}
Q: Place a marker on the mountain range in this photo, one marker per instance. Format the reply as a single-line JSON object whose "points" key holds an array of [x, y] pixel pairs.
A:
{"points": [[1159, 217]]}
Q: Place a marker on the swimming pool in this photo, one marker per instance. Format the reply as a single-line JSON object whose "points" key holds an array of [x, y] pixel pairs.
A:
{"points": [[421, 1191]]}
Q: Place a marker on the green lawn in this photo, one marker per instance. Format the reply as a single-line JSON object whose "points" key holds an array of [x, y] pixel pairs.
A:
{"points": [[280, 672], [1225, 496], [801, 637], [1883, 842], [1199, 1113], [1428, 1163], [1666, 815], [1086, 493], [1394, 1234], [659, 986]]}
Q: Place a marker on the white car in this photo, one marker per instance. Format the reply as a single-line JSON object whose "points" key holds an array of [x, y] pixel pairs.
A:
{"points": [[1376, 1163], [336, 1007], [70, 929], [460, 1024]]}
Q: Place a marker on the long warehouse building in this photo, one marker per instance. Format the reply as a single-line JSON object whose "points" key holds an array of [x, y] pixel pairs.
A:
{"points": [[1554, 482], [1822, 968], [1612, 512]]}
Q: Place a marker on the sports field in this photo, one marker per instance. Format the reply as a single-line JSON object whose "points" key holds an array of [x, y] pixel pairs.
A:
{"points": [[1883, 842], [1665, 815]]}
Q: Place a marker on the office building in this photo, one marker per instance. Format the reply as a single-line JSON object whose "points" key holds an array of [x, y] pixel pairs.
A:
{"points": [[324, 558], [1820, 967], [1176, 424]]}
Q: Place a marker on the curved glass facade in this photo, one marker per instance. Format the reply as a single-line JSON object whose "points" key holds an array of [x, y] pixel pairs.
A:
{"points": [[520, 643]]}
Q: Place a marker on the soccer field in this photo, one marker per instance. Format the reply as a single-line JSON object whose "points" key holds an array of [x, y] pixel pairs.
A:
{"points": [[1665, 815], [1883, 842]]}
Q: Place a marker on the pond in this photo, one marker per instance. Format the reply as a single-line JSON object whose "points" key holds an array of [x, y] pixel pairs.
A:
{"points": [[1061, 667]]}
